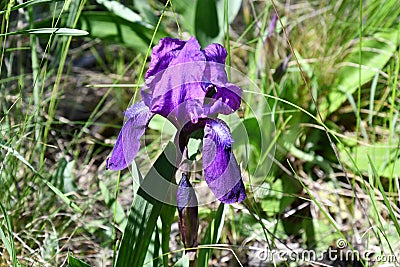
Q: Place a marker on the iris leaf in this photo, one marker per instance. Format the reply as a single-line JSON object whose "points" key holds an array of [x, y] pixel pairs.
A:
{"points": [[145, 211]]}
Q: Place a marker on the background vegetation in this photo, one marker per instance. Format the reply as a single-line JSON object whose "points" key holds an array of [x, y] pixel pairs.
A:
{"points": [[335, 100]]}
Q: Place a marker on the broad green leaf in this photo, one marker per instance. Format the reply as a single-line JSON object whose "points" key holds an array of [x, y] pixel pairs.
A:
{"points": [[376, 52], [145, 210], [208, 18], [212, 235], [385, 158], [188, 13], [145, 10], [206, 22], [108, 26], [74, 262], [233, 9]]}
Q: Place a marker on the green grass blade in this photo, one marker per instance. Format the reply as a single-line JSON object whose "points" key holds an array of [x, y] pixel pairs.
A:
{"points": [[144, 213], [9, 244], [385, 198], [63, 197]]}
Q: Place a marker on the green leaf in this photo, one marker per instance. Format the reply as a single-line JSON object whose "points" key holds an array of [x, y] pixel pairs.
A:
{"points": [[377, 51], [212, 236], [55, 31], [108, 26], [145, 210], [206, 22], [74, 262], [208, 18], [167, 218], [386, 158], [58, 31], [122, 11], [69, 178]]}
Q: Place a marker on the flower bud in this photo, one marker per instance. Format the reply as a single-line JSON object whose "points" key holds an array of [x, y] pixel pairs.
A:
{"points": [[188, 212]]}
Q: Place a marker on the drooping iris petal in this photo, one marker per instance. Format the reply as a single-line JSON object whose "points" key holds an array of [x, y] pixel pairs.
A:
{"points": [[163, 53], [221, 170], [128, 142]]}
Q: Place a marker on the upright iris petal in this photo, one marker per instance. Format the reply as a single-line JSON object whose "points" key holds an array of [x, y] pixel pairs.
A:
{"points": [[215, 53], [163, 53], [177, 87]]}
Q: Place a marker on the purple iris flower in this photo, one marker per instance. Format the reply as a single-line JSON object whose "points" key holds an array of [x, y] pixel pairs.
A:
{"points": [[189, 87]]}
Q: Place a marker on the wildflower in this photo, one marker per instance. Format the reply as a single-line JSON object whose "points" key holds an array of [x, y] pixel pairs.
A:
{"points": [[189, 87]]}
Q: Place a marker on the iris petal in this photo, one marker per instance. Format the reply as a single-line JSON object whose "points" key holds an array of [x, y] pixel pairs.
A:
{"points": [[176, 91], [128, 142], [163, 53], [215, 53], [225, 100], [221, 170]]}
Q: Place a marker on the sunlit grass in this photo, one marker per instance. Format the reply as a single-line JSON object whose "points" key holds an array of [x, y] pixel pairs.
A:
{"points": [[60, 115]]}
